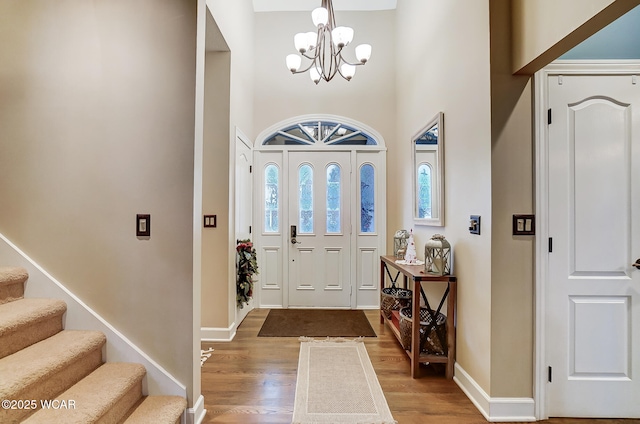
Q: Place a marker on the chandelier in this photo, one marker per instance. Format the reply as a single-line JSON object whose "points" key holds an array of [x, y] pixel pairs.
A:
{"points": [[324, 48]]}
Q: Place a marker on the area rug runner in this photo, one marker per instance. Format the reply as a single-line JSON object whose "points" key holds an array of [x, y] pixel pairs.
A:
{"points": [[316, 323], [337, 384]]}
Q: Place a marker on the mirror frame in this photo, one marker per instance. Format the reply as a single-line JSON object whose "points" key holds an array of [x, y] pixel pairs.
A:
{"points": [[438, 188]]}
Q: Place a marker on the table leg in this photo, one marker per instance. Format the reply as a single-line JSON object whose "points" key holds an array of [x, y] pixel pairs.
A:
{"points": [[415, 331], [451, 330], [383, 266]]}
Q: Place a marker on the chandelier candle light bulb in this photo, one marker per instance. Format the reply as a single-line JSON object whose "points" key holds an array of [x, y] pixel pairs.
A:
{"points": [[363, 52], [320, 16], [325, 47]]}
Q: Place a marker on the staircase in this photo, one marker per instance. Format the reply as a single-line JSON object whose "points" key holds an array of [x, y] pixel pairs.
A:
{"points": [[49, 375]]}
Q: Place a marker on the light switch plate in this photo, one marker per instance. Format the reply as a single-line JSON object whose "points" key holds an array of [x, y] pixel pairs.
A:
{"points": [[524, 225], [143, 225], [210, 221], [474, 224]]}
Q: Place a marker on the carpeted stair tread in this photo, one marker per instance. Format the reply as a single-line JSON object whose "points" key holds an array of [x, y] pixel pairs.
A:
{"points": [[157, 410], [27, 321], [12, 275], [104, 396], [13, 315], [39, 361], [12, 283]]}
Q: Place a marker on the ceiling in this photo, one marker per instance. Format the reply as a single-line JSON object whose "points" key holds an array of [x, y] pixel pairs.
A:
{"points": [[303, 5]]}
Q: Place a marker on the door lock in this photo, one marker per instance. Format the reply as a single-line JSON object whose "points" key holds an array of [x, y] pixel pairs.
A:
{"points": [[637, 264], [294, 234]]}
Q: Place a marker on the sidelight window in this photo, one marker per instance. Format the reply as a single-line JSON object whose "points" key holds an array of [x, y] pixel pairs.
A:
{"points": [[367, 199], [333, 199], [271, 199], [305, 200]]}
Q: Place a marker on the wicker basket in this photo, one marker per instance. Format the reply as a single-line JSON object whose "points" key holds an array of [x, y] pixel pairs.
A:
{"points": [[393, 298], [430, 342]]}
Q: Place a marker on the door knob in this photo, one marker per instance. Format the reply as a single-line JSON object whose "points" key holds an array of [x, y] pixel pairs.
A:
{"points": [[637, 264]]}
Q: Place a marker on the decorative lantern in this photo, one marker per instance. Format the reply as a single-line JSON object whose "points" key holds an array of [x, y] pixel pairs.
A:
{"points": [[400, 243], [437, 256]]}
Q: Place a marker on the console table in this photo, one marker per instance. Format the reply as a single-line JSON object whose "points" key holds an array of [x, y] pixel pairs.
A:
{"points": [[417, 275]]}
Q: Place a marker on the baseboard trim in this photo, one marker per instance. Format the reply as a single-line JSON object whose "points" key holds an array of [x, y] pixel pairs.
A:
{"points": [[214, 334], [79, 316], [196, 414], [494, 409]]}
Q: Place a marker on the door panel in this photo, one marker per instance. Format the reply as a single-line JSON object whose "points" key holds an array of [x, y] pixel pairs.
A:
{"points": [[594, 215], [319, 208]]}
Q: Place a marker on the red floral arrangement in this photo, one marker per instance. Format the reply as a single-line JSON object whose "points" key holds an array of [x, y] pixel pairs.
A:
{"points": [[246, 266]]}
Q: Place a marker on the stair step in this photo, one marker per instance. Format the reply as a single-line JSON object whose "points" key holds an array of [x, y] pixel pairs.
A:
{"points": [[45, 369], [104, 396], [12, 283], [157, 410], [28, 321]]}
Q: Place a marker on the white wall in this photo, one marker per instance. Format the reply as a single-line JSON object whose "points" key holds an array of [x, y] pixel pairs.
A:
{"points": [[368, 98], [96, 126], [445, 67], [235, 22]]}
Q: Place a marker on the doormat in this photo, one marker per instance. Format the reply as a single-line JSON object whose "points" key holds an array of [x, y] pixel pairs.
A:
{"points": [[316, 323], [337, 384]]}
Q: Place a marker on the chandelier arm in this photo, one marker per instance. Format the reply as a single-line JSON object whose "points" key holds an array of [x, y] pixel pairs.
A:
{"points": [[304, 70], [309, 57], [349, 63]]}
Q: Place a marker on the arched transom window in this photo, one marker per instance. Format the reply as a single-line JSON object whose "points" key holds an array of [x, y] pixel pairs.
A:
{"points": [[321, 132]]}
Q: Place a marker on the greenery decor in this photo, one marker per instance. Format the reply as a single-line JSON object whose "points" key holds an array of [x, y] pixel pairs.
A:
{"points": [[246, 265]]}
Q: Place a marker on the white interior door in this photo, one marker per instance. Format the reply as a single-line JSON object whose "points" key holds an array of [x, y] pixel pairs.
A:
{"points": [[319, 210], [244, 189], [592, 333]]}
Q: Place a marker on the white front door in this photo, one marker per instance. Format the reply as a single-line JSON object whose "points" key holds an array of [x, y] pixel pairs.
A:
{"points": [[592, 311], [319, 214]]}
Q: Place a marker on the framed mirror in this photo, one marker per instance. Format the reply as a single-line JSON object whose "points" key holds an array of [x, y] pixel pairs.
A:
{"points": [[428, 173]]}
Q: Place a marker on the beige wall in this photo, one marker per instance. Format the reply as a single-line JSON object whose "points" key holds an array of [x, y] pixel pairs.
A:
{"points": [[215, 192], [511, 193], [445, 68], [96, 125], [545, 29]]}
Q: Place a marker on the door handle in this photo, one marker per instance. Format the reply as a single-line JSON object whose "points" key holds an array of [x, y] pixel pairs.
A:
{"points": [[637, 264], [294, 234]]}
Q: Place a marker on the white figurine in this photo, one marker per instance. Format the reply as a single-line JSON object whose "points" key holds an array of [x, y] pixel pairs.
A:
{"points": [[410, 257]]}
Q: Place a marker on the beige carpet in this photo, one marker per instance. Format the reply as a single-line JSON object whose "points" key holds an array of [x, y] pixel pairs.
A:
{"points": [[52, 375], [337, 384]]}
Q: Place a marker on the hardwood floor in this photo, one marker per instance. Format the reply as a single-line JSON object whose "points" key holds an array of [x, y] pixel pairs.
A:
{"points": [[252, 380]]}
